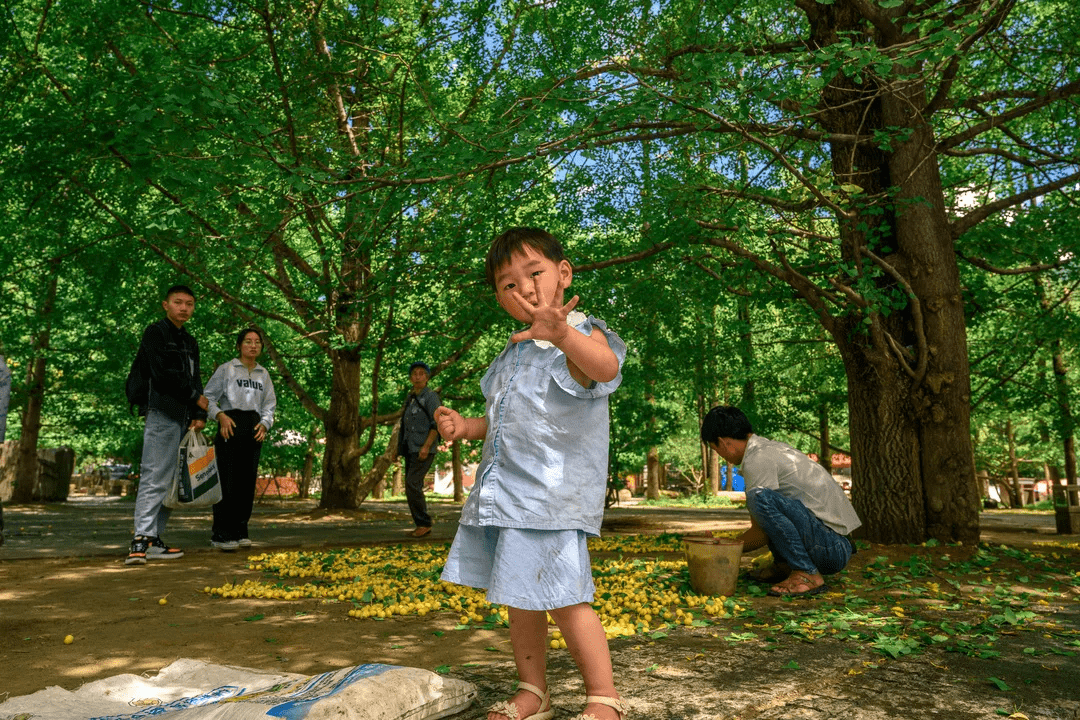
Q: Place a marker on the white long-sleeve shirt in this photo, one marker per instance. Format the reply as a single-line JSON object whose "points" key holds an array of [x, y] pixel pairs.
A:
{"points": [[234, 387]]}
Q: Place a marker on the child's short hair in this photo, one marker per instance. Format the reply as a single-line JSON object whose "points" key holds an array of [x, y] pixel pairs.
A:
{"points": [[725, 421], [513, 240], [179, 289]]}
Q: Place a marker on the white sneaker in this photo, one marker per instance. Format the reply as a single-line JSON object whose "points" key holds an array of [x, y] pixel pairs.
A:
{"points": [[224, 545], [244, 542]]}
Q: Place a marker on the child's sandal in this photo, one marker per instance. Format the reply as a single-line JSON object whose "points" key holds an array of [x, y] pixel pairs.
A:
{"points": [[510, 710], [621, 706]]}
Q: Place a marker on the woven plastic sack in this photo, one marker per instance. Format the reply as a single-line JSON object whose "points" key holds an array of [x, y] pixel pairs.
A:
{"points": [[192, 690]]}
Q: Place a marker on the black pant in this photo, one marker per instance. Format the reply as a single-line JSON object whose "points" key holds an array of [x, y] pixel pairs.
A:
{"points": [[238, 468], [415, 470]]}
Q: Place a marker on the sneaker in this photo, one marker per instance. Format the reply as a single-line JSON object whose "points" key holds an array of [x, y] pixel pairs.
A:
{"points": [[160, 551], [224, 545], [244, 542], [421, 531], [137, 554]]}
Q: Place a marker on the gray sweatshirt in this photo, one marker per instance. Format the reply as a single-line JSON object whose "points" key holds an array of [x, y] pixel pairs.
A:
{"points": [[232, 387]]}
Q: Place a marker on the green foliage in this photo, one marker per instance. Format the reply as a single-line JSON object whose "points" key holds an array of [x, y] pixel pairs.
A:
{"points": [[334, 172]]}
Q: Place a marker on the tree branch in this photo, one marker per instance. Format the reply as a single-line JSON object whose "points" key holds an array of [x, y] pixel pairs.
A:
{"points": [[1063, 91], [962, 225]]}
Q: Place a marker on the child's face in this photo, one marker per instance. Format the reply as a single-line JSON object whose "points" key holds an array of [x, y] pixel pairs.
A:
{"points": [[526, 273]]}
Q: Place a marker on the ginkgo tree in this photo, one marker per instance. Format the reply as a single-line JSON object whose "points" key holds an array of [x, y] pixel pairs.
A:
{"points": [[877, 137]]}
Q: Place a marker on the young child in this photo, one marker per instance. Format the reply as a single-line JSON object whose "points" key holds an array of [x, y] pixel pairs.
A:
{"points": [[541, 482]]}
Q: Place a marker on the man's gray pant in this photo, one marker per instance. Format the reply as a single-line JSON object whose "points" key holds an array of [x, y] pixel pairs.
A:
{"points": [[161, 446]]}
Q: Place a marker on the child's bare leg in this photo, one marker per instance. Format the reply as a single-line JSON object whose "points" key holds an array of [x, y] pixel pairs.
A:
{"points": [[528, 636], [587, 643]]}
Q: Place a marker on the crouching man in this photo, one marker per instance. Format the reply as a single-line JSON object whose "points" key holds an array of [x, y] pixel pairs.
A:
{"points": [[796, 508]]}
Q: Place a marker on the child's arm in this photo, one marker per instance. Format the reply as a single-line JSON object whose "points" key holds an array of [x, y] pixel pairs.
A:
{"points": [[452, 426], [589, 358]]}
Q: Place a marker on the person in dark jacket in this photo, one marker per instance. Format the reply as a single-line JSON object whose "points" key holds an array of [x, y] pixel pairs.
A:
{"points": [[176, 404], [417, 435]]}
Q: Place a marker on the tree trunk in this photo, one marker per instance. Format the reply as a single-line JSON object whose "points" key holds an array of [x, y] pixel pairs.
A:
{"points": [[379, 488], [1065, 423], [341, 458], [26, 467], [942, 399], [716, 483], [748, 402], [378, 470], [825, 449], [309, 463], [884, 456], [983, 479], [26, 461], [459, 474], [652, 474], [397, 484], [1068, 424], [908, 375], [1017, 491]]}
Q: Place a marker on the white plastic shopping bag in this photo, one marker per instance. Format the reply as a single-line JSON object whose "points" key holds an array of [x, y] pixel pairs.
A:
{"points": [[196, 482]]}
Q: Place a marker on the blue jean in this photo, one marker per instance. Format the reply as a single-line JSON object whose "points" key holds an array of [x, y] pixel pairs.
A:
{"points": [[796, 535], [161, 448]]}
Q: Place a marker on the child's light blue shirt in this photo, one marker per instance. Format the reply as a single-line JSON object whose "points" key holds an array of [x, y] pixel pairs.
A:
{"points": [[545, 458]]}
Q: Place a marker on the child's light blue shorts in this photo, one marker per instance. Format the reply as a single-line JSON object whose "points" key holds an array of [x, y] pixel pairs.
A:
{"points": [[526, 569]]}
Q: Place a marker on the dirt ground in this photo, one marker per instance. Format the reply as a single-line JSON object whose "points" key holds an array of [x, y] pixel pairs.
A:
{"points": [[120, 625]]}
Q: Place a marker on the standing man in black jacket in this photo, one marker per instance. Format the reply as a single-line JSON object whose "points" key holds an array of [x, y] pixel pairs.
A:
{"points": [[176, 404]]}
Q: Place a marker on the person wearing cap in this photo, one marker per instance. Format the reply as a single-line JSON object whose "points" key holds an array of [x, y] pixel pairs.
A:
{"points": [[416, 436]]}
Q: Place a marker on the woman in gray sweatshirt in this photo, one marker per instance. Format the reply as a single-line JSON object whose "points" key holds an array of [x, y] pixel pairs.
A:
{"points": [[242, 400]]}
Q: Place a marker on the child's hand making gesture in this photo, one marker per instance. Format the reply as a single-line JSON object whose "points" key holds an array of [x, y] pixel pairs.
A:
{"points": [[547, 321]]}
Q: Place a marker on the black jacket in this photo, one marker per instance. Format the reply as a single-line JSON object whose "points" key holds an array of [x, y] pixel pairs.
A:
{"points": [[175, 380]]}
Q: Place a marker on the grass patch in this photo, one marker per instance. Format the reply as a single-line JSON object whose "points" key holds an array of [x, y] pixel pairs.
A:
{"points": [[694, 501]]}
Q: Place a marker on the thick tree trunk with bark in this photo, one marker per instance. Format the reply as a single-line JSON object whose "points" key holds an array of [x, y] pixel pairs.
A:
{"points": [[884, 452], [908, 375], [341, 458], [941, 392]]}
